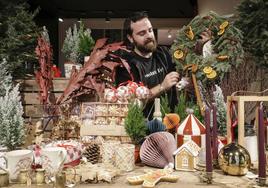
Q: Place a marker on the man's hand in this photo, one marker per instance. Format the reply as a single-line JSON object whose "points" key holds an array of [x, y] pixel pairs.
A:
{"points": [[97, 56], [170, 80]]}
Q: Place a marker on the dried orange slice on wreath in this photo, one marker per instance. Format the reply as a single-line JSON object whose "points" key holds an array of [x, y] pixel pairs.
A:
{"points": [[207, 70], [224, 25], [190, 33], [212, 75], [220, 32], [222, 57], [178, 54]]}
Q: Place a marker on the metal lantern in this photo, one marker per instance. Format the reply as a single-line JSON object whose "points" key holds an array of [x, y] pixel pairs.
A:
{"points": [[234, 159]]}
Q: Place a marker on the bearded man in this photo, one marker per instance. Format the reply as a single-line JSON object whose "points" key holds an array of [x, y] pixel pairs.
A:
{"points": [[150, 64]]}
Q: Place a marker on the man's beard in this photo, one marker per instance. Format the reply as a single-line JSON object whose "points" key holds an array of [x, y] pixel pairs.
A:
{"points": [[148, 46]]}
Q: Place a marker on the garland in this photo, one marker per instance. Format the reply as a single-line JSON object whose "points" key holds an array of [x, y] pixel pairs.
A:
{"points": [[226, 45]]}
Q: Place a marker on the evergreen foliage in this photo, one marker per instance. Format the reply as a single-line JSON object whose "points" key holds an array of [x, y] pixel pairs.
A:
{"points": [[183, 105], [71, 45], [253, 21], [77, 44], [18, 37], [5, 78], [135, 125], [165, 109], [86, 42], [11, 111], [221, 110]]}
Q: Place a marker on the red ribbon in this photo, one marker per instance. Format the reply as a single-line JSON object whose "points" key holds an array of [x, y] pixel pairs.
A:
{"points": [[234, 122]]}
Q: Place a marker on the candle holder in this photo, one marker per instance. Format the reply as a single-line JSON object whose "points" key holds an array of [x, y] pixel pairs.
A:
{"points": [[208, 177], [23, 176], [262, 182], [215, 163]]}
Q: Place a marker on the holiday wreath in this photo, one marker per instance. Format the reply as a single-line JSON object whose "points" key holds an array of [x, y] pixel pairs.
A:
{"points": [[226, 47]]}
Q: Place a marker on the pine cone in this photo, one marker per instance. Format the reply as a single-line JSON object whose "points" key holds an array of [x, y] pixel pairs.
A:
{"points": [[92, 153]]}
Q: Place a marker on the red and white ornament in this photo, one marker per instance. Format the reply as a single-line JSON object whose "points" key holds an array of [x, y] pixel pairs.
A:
{"points": [[142, 92], [122, 93], [110, 95], [132, 86]]}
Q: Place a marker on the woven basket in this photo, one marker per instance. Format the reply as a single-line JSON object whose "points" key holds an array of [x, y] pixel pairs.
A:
{"points": [[124, 157], [109, 148]]}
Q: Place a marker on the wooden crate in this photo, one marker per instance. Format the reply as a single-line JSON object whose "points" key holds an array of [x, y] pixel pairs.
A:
{"points": [[241, 115], [33, 110], [93, 111]]}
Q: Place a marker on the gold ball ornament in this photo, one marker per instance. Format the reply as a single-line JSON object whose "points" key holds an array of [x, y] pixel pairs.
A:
{"points": [[234, 159]]}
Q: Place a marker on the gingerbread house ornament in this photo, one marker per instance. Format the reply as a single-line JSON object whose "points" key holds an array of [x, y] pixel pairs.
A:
{"points": [[186, 156], [191, 129]]}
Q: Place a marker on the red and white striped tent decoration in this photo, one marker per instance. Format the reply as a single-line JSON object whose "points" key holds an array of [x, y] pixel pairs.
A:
{"points": [[190, 128]]}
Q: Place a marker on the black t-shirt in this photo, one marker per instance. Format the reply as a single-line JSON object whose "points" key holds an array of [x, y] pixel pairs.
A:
{"points": [[151, 72]]}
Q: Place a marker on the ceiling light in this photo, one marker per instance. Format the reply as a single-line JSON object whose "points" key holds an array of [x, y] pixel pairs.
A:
{"points": [[169, 34], [60, 20]]}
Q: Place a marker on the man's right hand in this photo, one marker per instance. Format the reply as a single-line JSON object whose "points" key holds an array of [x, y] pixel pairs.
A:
{"points": [[170, 80]]}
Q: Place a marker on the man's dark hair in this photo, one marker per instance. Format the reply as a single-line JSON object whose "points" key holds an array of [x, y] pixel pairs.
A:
{"points": [[134, 17]]}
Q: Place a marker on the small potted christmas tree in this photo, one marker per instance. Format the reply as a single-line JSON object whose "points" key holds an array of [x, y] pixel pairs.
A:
{"points": [[77, 44], [70, 50], [86, 43], [135, 127], [11, 122], [221, 113]]}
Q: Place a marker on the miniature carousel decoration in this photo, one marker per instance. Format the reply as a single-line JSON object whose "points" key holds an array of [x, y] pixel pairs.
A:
{"points": [[190, 129]]}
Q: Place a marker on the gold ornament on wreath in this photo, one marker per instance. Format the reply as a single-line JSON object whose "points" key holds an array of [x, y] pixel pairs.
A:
{"points": [[212, 32]]}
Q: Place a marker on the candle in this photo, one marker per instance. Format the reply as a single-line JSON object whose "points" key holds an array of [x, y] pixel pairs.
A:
{"points": [[215, 134], [208, 141], [157, 112], [262, 160]]}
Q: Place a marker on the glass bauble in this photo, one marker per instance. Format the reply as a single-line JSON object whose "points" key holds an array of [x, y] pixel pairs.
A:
{"points": [[234, 159]]}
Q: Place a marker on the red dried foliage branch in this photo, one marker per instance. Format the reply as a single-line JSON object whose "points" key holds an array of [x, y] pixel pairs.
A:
{"points": [[43, 76], [90, 79]]}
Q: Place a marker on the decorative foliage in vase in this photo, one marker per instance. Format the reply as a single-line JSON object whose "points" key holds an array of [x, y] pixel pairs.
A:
{"points": [[221, 110], [135, 124], [11, 111]]}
